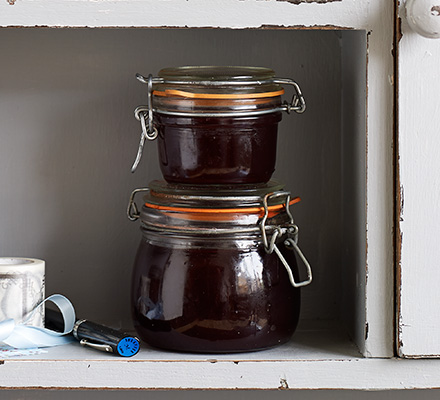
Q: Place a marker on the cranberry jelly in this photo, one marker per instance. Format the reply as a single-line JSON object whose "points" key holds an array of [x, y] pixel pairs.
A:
{"points": [[203, 297], [217, 150]]}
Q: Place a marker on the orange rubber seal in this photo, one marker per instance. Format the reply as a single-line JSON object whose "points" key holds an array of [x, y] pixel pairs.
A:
{"points": [[181, 93], [218, 214]]}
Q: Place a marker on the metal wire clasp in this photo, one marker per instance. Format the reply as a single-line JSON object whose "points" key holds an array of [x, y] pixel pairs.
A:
{"points": [[144, 115], [298, 103], [291, 242], [132, 210]]}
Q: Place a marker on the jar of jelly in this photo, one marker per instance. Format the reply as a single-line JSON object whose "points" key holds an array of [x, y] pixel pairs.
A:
{"points": [[216, 270], [215, 125]]}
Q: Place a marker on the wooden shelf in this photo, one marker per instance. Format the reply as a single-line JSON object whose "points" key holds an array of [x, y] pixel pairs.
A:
{"points": [[314, 359]]}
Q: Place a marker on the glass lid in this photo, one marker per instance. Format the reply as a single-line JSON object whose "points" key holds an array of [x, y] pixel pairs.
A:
{"points": [[233, 189], [216, 73], [208, 196], [232, 80]]}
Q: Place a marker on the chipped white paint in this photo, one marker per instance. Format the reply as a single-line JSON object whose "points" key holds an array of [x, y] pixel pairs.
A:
{"points": [[419, 148], [359, 14], [357, 374], [380, 264], [424, 17]]}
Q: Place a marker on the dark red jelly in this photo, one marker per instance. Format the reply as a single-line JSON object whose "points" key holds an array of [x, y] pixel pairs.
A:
{"points": [[213, 300], [217, 150]]}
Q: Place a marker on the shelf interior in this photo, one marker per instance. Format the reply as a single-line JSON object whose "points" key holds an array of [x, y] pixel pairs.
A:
{"points": [[69, 139], [312, 341]]}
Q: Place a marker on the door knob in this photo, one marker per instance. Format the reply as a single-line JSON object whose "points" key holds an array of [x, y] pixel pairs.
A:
{"points": [[424, 17]]}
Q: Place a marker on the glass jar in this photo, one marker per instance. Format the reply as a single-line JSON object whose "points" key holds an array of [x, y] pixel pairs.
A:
{"points": [[215, 271], [215, 125]]}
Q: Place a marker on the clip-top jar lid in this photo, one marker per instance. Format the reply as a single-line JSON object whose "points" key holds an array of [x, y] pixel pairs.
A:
{"points": [[227, 83], [235, 204], [213, 82]]}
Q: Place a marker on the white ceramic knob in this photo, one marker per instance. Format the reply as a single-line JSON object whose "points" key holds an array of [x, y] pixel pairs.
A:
{"points": [[424, 17]]}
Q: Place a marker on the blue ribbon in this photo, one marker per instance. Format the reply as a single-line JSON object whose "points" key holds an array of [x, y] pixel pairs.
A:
{"points": [[22, 336]]}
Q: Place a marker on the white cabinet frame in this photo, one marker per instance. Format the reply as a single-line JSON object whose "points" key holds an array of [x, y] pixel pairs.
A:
{"points": [[418, 323], [374, 332]]}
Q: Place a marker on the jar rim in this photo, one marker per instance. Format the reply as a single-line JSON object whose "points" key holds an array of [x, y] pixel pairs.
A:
{"points": [[194, 73], [221, 214], [218, 204], [228, 195]]}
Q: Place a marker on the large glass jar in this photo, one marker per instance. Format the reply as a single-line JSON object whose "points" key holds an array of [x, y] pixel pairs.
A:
{"points": [[215, 271], [215, 125]]}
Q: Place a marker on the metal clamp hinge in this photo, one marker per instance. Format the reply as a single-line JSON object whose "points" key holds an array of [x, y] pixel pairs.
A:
{"points": [[291, 242], [132, 210], [144, 114], [298, 103]]}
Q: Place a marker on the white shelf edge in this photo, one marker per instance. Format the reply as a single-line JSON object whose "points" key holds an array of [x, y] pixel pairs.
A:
{"points": [[320, 356], [356, 373]]}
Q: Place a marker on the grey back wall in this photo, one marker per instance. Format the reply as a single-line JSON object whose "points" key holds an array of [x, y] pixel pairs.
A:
{"points": [[68, 138]]}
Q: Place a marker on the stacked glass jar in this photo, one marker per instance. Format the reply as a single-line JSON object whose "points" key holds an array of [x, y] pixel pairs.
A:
{"points": [[216, 270]]}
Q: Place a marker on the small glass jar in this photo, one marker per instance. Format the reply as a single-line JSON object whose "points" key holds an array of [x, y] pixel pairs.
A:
{"points": [[215, 125], [215, 271]]}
